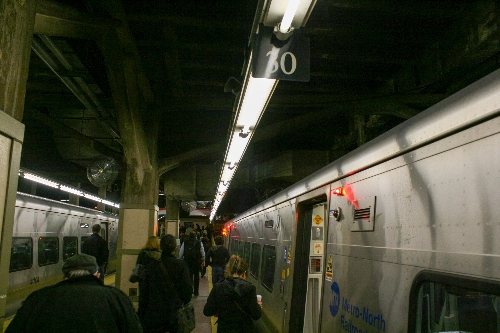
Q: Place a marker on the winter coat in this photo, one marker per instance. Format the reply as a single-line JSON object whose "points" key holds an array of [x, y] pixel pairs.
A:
{"points": [[224, 300], [146, 256], [160, 298], [80, 304], [96, 246], [218, 255]]}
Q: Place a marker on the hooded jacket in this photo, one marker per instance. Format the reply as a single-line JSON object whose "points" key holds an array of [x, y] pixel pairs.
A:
{"points": [[147, 256], [235, 302]]}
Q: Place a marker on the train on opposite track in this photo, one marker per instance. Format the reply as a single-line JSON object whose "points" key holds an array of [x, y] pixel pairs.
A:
{"points": [[399, 235], [47, 232]]}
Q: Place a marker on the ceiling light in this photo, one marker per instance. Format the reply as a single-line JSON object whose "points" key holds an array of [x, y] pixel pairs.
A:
{"points": [[290, 11], [69, 189]]}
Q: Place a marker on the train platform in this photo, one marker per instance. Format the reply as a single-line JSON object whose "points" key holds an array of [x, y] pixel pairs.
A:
{"points": [[203, 324]]}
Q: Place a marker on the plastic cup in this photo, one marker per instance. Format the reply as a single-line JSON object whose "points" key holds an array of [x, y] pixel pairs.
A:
{"points": [[259, 298]]}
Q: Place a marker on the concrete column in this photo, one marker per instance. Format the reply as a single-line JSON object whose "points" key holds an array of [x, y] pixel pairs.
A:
{"points": [[172, 218], [137, 223], [33, 188], [11, 139], [102, 194], [16, 34], [74, 199]]}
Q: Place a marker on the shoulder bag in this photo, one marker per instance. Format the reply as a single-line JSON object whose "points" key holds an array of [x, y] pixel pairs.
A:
{"points": [[137, 273], [185, 315]]}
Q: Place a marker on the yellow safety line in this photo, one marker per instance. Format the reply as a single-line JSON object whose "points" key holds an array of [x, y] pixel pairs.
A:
{"points": [[209, 276]]}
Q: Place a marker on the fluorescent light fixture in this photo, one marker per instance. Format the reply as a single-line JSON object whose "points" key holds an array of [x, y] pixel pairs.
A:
{"points": [[41, 180], [290, 11], [73, 190], [256, 92], [252, 104], [278, 9]]}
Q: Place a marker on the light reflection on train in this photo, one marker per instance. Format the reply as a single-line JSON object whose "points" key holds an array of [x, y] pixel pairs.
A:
{"points": [[400, 235]]}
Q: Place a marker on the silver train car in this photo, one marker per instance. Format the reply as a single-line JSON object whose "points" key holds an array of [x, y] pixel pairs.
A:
{"points": [[400, 235], [45, 234]]}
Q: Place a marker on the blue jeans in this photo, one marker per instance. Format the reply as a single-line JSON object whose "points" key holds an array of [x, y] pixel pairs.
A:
{"points": [[217, 274]]}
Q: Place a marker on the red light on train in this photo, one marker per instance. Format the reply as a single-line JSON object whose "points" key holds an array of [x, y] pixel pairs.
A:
{"points": [[339, 191]]}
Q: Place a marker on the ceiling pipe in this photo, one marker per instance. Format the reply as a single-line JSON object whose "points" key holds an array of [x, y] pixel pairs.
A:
{"points": [[62, 59], [73, 85]]}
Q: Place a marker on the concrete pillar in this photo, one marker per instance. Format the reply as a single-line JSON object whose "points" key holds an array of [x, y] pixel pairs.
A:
{"points": [[11, 139], [102, 194], [137, 223], [74, 199], [172, 218], [33, 188], [16, 34]]}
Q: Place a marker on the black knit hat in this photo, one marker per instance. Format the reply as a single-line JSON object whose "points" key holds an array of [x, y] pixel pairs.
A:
{"points": [[80, 262]]}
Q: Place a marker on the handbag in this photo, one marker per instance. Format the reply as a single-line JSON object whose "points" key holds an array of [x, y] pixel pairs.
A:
{"points": [[185, 318], [185, 315], [137, 273]]}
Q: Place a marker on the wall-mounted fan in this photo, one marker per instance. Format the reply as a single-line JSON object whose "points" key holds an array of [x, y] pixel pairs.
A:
{"points": [[103, 172]]}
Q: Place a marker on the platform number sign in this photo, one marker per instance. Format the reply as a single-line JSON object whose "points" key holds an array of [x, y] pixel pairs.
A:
{"points": [[282, 60]]}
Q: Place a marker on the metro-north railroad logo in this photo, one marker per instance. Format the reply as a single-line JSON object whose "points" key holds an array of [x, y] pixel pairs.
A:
{"points": [[335, 302]]}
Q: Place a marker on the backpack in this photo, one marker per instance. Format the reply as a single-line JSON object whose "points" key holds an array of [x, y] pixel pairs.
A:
{"points": [[192, 251]]}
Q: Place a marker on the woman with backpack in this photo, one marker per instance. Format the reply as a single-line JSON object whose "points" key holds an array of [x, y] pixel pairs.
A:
{"points": [[234, 300]]}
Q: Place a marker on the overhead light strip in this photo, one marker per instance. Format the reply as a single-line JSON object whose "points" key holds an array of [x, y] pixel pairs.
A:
{"points": [[65, 188], [253, 101], [256, 92]]}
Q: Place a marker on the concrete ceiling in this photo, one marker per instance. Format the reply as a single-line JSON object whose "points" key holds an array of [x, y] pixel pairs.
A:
{"points": [[373, 65]]}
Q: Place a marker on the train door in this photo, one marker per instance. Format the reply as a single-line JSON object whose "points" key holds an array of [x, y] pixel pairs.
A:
{"points": [[104, 231], [308, 268]]}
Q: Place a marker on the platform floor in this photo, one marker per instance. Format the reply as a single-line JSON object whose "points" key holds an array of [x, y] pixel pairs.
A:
{"points": [[203, 324]]}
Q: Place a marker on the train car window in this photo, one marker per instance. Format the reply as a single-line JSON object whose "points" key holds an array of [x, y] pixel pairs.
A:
{"points": [[82, 240], [70, 247], [443, 303], [246, 255], [48, 250], [21, 254], [241, 250], [255, 260], [268, 266]]}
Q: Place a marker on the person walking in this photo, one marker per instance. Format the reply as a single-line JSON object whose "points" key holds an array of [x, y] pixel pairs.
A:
{"points": [[206, 245], [166, 287], [80, 303], [234, 300], [97, 247], [149, 252], [193, 254], [217, 257]]}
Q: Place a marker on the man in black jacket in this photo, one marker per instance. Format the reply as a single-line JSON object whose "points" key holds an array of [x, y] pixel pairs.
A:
{"points": [[96, 246], [80, 303], [193, 253], [217, 257]]}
